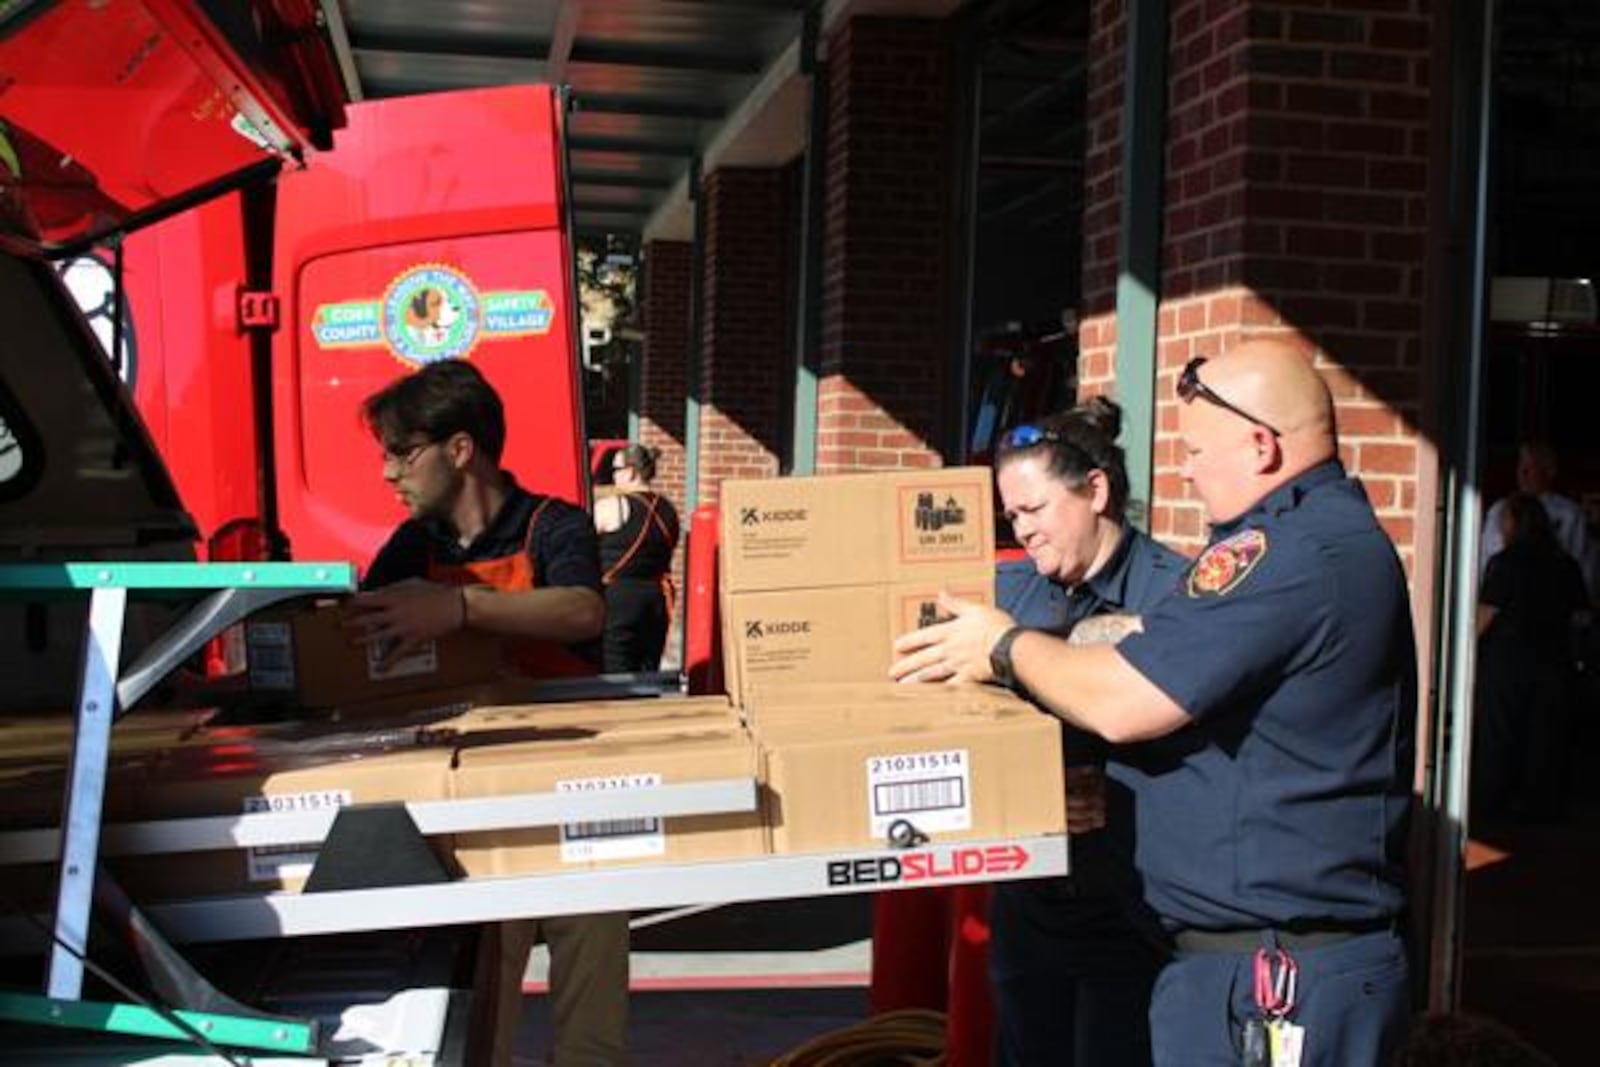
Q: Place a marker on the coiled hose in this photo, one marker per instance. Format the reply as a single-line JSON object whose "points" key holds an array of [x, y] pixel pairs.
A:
{"points": [[911, 1038]]}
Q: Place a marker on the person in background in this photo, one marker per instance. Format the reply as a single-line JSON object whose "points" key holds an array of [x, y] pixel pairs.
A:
{"points": [[1276, 691], [638, 530], [1531, 599], [1072, 960], [481, 553], [1536, 475]]}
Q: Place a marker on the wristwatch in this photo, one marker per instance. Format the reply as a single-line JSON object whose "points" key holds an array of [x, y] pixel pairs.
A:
{"points": [[1000, 657]]}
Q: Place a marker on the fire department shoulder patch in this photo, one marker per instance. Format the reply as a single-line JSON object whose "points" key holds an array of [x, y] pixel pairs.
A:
{"points": [[1221, 568]]}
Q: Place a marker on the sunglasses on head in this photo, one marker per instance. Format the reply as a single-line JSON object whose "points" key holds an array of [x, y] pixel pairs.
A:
{"points": [[1190, 386], [1028, 435]]}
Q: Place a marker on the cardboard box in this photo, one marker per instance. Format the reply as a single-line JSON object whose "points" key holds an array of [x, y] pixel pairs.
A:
{"points": [[856, 529], [308, 657], [234, 779], [828, 788], [843, 634], [605, 764]]}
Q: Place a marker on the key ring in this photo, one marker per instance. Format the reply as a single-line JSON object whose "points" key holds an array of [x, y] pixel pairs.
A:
{"points": [[1276, 977]]}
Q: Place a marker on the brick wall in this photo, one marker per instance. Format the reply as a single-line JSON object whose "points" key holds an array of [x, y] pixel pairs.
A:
{"points": [[1295, 207], [664, 362], [1102, 196], [745, 366], [885, 304]]}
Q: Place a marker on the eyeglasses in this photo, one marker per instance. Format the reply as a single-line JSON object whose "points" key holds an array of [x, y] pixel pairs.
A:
{"points": [[393, 457], [1190, 386], [1027, 435]]}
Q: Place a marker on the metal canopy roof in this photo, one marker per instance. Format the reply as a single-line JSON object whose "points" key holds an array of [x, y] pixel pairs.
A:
{"points": [[653, 81]]}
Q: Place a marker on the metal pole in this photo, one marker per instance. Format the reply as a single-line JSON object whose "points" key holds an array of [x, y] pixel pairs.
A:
{"points": [[1139, 239], [969, 117], [808, 318], [86, 784], [691, 413], [1463, 456]]}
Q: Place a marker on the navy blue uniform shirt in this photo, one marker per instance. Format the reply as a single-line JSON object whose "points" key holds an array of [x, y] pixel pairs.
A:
{"points": [[565, 548], [1289, 644]]}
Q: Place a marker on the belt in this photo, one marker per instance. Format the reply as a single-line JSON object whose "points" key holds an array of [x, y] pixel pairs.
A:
{"points": [[1292, 938]]}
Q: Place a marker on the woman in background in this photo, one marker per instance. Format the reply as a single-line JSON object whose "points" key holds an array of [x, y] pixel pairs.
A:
{"points": [[1532, 595], [638, 530]]}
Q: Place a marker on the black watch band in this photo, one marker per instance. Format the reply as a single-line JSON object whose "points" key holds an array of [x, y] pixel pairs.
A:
{"points": [[1000, 657]]}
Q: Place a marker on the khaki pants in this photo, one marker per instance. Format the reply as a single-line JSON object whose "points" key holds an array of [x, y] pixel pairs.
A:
{"points": [[588, 988]]}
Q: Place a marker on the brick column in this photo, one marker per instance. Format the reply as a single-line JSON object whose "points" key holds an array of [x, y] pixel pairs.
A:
{"points": [[664, 363], [664, 379], [1102, 196], [1295, 208], [745, 368], [885, 308]]}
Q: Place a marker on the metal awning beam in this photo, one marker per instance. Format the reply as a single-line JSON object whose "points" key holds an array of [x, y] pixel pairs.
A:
{"points": [[620, 181], [619, 55], [609, 104], [629, 146], [458, 46], [566, 32]]}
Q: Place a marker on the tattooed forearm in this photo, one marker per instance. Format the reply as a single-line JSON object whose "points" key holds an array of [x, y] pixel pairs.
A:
{"points": [[1104, 629]]}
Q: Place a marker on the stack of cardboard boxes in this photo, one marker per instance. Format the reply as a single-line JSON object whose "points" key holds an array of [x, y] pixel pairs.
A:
{"points": [[819, 576]]}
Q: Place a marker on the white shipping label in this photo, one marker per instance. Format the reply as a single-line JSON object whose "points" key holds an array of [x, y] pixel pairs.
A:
{"points": [[272, 863], [611, 839], [930, 790], [424, 659], [269, 650]]}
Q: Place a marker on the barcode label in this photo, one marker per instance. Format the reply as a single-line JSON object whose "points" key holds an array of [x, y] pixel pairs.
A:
{"points": [[424, 659], [919, 796], [611, 839], [274, 863], [269, 650], [930, 790]]}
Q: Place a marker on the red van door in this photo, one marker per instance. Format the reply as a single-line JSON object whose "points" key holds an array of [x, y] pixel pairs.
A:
{"points": [[434, 230]]}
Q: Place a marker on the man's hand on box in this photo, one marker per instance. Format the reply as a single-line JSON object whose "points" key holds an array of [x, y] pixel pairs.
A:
{"points": [[406, 615], [956, 650]]}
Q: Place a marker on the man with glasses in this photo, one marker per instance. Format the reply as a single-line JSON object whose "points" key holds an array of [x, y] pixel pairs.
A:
{"points": [[1268, 707], [480, 552]]}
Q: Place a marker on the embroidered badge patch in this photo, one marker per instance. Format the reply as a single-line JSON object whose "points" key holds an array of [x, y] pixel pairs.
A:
{"points": [[1221, 568]]}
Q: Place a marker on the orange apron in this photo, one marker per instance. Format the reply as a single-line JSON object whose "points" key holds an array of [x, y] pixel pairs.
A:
{"points": [[652, 519], [515, 574]]}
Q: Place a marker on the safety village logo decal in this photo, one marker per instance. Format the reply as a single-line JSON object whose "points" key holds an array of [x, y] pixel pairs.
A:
{"points": [[432, 312], [1221, 568]]}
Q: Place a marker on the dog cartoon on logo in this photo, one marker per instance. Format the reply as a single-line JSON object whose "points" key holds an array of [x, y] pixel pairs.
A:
{"points": [[429, 316]]}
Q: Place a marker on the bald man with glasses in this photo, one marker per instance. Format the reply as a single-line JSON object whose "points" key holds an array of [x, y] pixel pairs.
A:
{"points": [[1266, 710]]}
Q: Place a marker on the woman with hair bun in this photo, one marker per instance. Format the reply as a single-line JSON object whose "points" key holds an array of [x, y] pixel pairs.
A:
{"points": [[1073, 960], [638, 530]]}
